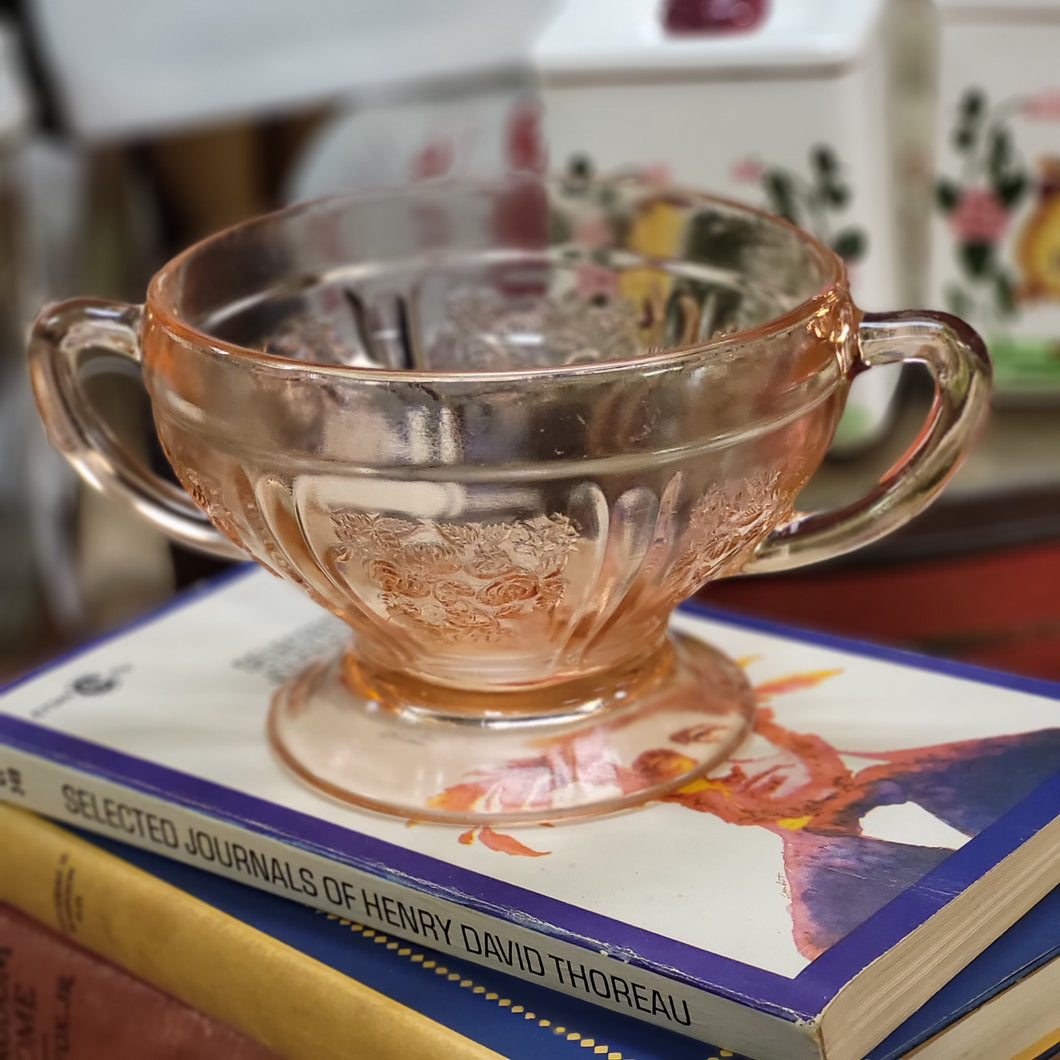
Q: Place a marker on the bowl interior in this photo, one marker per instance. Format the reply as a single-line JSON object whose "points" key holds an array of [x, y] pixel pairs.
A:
{"points": [[520, 275]]}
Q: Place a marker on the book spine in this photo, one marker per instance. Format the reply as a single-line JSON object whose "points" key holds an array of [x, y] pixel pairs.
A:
{"points": [[289, 1002], [58, 1000], [583, 969]]}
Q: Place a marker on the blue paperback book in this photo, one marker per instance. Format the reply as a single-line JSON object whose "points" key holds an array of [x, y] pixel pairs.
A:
{"points": [[888, 820]]}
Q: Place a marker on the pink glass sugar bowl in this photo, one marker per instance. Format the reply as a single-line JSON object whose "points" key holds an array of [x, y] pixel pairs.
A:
{"points": [[502, 431]]}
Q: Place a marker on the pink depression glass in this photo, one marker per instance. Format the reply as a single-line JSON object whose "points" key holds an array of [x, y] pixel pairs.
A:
{"points": [[502, 431]]}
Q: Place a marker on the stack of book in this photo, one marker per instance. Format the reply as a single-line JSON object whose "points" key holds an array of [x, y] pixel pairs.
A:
{"points": [[874, 874]]}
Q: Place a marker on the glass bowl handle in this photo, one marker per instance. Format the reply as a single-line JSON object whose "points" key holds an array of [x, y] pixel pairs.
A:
{"points": [[957, 360], [69, 341]]}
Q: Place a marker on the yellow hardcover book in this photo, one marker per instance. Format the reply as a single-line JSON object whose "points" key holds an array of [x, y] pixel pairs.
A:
{"points": [[296, 1005]]}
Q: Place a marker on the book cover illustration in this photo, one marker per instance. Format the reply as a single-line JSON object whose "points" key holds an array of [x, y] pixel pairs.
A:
{"points": [[825, 804], [871, 793]]}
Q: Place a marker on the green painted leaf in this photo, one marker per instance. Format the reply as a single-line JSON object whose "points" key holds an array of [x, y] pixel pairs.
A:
{"points": [[973, 103], [559, 227], [824, 160], [850, 244], [580, 167], [780, 191], [838, 195], [947, 193], [1012, 188], [1006, 292], [958, 302], [977, 258], [1000, 154], [719, 240]]}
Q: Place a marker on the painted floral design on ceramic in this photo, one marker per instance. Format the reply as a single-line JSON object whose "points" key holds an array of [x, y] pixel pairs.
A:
{"points": [[599, 226], [1003, 214], [801, 788], [979, 203], [814, 202]]}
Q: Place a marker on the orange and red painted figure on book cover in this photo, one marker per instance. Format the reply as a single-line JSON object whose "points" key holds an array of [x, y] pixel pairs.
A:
{"points": [[816, 798]]}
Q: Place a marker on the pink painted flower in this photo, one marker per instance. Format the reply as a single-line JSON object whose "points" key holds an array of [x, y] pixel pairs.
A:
{"points": [[524, 145], [747, 170], [434, 160], [980, 217], [657, 174], [592, 280], [1044, 106], [592, 231]]}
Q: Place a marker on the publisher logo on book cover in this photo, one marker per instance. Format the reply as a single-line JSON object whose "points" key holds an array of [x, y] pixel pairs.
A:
{"points": [[95, 684], [85, 685]]}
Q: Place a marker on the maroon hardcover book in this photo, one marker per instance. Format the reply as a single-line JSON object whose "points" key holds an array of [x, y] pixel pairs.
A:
{"points": [[61, 1002]]}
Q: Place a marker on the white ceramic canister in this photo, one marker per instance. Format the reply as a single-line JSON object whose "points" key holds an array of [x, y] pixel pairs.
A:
{"points": [[792, 114]]}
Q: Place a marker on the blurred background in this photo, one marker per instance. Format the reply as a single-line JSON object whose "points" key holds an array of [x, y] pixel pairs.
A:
{"points": [[919, 138]]}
